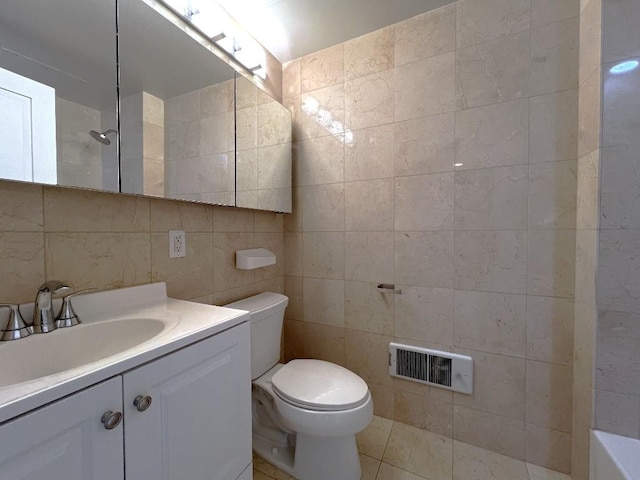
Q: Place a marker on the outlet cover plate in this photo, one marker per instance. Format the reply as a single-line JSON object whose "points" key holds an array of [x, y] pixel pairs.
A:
{"points": [[177, 244]]}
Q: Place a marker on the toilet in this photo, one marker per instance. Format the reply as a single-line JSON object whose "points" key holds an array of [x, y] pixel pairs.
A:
{"points": [[306, 413]]}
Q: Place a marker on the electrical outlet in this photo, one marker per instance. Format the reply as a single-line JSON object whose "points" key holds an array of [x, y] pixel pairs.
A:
{"points": [[177, 244]]}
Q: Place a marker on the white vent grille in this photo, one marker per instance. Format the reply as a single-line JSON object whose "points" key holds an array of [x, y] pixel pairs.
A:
{"points": [[440, 369]]}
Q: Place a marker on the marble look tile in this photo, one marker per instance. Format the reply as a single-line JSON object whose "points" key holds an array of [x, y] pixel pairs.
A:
{"points": [[22, 256], [425, 413], [368, 310], [369, 100], [552, 195], [616, 413], [293, 346], [319, 109], [324, 301], [620, 122], [589, 119], [419, 452], [477, 463], [168, 215], [274, 243], [322, 68], [549, 448], [182, 141], [425, 314], [153, 109], [551, 263], [324, 208], [549, 395], [550, 329], [323, 254], [21, 207], [247, 128], [382, 399], [424, 259], [216, 134], [233, 220], [492, 136], [492, 432], [217, 98], [590, 53], [369, 154], [481, 20], [498, 387], [370, 467], [618, 269], [388, 472], [293, 288], [99, 260], [492, 72], [226, 275], [263, 467], [324, 342], [619, 187], [491, 198], [368, 54], [621, 36], [490, 322], [491, 261], [369, 205], [268, 222], [246, 93], [427, 35], [186, 277], [293, 222], [319, 161], [223, 297], [292, 257], [554, 57], [291, 78], [586, 267], [183, 108], [274, 167], [368, 356], [274, 124], [424, 145], [554, 127], [373, 439], [68, 210], [544, 12], [425, 87], [617, 358], [424, 202], [369, 256]]}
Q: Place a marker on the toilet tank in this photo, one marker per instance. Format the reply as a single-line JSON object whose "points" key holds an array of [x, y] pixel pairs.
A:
{"points": [[266, 318]]}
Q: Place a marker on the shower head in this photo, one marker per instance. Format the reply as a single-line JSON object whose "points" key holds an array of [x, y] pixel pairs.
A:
{"points": [[102, 137]]}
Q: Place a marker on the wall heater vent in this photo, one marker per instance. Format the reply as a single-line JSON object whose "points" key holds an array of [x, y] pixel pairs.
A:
{"points": [[440, 369]]}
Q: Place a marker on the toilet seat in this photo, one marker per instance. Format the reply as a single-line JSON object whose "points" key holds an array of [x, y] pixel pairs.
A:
{"points": [[319, 386]]}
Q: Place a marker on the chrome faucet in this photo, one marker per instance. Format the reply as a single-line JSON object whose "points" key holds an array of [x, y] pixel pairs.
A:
{"points": [[44, 318]]}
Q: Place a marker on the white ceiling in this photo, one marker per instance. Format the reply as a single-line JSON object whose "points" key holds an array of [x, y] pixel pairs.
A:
{"points": [[293, 28]]}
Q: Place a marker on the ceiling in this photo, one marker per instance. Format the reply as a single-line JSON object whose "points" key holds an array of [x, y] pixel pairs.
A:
{"points": [[291, 29]]}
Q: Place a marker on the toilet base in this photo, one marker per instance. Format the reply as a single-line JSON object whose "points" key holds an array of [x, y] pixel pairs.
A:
{"points": [[314, 458]]}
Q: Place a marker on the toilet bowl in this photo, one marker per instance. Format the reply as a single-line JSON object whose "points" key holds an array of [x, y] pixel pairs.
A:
{"points": [[306, 412]]}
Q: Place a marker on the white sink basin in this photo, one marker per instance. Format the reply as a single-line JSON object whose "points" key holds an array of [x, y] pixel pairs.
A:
{"points": [[64, 349], [120, 330]]}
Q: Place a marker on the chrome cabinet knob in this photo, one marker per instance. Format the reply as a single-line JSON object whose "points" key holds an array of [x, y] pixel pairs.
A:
{"points": [[111, 420], [142, 402]]}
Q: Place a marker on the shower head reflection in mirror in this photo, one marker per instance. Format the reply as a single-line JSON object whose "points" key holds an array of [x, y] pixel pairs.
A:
{"points": [[102, 137]]}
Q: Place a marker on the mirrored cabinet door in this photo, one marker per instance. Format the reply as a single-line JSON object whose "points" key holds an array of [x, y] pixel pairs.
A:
{"points": [[177, 109], [58, 91]]}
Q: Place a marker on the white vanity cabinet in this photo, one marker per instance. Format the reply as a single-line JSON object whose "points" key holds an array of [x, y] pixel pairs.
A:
{"points": [[66, 440], [197, 426]]}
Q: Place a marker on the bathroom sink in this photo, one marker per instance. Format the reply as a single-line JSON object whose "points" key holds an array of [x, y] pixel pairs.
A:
{"points": [[42, 355]]}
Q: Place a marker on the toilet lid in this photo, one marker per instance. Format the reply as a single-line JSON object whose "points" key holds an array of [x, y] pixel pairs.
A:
{"points": [[319, 385]]}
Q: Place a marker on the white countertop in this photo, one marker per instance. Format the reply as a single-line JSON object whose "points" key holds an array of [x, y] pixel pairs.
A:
{"points": [[184, 323]]}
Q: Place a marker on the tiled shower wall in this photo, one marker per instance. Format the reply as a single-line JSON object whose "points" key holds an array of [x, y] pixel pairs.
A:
{"points": [[440, 154], [105, 241]]}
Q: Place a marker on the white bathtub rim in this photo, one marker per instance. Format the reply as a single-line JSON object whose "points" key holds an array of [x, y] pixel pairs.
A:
{"points": [[621, 453]]}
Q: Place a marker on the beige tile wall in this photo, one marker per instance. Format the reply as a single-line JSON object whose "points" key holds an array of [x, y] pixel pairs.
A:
{"points": [[483, 252], [106, 241]]}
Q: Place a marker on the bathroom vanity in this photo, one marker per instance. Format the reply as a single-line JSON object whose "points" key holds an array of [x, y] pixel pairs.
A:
{"points": [[176, 405]]}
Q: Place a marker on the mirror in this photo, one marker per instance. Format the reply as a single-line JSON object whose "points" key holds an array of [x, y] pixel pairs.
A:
{"points": [[181, 134], [55, 89], [263, 150]]}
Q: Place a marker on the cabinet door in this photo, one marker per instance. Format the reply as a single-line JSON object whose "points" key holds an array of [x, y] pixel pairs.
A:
{"points": [[198, 426], [66, 440]]}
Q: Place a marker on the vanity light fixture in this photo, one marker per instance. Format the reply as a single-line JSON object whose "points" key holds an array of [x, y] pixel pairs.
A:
{"points": [[624, 67]]}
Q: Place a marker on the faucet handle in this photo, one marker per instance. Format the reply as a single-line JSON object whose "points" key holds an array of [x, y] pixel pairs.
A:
{"points": [[68, 317], [15, 327], [54, 286]]}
